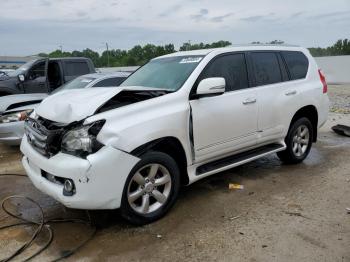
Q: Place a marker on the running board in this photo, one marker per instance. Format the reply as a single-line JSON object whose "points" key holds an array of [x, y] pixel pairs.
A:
{"points": [[238, 159]]}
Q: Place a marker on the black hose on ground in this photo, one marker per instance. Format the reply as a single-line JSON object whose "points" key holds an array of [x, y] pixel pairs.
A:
{"points": [[40, 225]]}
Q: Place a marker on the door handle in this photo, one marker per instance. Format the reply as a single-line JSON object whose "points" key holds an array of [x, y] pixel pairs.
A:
{"points": [[290, 93], [249, 101]]}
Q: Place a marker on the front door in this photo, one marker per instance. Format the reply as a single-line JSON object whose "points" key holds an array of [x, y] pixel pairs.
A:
{"points": [[36, 78], [225, 123]]}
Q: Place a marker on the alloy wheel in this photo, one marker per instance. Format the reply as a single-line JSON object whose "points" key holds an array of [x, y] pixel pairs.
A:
{"points": [[149, 188], [301, 140]]}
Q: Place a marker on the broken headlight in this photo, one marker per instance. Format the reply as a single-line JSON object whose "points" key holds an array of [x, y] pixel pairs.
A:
{"points": [[82, 141], [15, 116]]}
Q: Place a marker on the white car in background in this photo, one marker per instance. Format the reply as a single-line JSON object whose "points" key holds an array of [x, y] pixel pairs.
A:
{"points": [[14, 109], [178, 119]]}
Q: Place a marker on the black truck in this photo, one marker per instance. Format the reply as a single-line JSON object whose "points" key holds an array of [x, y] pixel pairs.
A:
{"points": [[43, 75]]}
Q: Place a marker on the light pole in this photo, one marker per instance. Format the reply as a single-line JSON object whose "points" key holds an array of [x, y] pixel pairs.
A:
{"points": [[107, 54], [60, 46]]}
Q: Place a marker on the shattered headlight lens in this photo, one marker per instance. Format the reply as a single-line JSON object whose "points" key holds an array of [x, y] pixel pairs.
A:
{"points": [[15, 116], [82, 141]]}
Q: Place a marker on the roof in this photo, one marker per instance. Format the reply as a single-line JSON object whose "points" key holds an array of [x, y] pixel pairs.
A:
{"points": [[233, 48], [68, 58]]}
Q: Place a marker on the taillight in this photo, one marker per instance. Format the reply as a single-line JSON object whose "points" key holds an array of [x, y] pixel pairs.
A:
{"points": [[323, 81]]}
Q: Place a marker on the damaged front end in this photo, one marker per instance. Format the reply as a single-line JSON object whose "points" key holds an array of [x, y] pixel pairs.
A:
{"points": [[128, 97], [74, 137], [67, 162], [49, 138]]}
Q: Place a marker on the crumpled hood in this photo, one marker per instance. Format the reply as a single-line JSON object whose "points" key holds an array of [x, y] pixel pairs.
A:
{"points": [[74, 105], [12, 100]]}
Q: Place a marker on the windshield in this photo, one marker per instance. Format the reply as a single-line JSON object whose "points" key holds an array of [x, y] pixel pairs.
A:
{"points": [[77, 83], [22, 69], [164, 73]]}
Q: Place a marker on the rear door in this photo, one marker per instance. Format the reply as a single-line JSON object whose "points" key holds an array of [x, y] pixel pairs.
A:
{"points": [[277, 95], [75, 68], [36, 78], [228, 122]]}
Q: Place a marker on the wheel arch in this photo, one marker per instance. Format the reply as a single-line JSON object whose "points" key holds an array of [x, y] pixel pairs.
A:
{"points": [[168, 145], [310, 112]]}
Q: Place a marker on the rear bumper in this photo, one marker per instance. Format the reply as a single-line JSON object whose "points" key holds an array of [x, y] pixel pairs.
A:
{"points": [[99, 180], [324, 111], [11, 133]]}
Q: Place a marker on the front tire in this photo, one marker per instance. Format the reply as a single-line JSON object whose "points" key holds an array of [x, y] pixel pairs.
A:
{"points": [[299, 141], [151, 188]]}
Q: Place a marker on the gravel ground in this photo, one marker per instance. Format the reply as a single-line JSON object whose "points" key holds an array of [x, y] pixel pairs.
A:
{"points": [[284, 213], [340, 99]]}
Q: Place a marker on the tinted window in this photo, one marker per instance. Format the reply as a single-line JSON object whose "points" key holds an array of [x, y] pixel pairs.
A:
{"points": [[297, 64], [115, 81], [231, 67], [267, 70], [76, 68], [38, 70]]}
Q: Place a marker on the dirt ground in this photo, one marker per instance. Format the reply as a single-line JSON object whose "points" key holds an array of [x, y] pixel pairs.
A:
{"points": [[284, 213]]}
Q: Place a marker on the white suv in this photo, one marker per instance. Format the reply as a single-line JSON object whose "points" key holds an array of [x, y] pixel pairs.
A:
{"points": [[178, 119]]}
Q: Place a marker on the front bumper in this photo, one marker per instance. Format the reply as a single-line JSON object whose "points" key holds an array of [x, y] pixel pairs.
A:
{"points": [[99, 180], [12, 133]]}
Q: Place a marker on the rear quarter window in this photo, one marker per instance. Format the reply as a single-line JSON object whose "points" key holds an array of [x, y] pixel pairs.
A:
{"points": [[75, 68], [297, 64]]}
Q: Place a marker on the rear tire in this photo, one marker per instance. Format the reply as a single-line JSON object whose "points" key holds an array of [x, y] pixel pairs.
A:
{"points": [[299, 141], [151, 189]]}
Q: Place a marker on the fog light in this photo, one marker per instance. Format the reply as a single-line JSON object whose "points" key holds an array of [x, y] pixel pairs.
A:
{"points": [[68, 188]]}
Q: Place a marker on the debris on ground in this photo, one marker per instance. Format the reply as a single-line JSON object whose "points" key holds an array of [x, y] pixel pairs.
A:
{"points": [[296, 214], [159, 236], [341, 130], [348, 210], [235, 186], [234, 218]]}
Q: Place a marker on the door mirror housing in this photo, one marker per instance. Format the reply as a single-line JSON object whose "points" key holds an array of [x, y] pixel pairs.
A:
{"points": [[21, 78], [211, 87]]}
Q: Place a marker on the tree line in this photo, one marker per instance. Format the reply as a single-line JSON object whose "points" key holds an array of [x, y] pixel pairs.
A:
{"points": [[341, 47], [139, 55]]}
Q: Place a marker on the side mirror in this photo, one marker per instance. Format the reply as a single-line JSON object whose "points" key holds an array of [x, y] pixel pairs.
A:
{"points": [[211, 87], [21, 77]]}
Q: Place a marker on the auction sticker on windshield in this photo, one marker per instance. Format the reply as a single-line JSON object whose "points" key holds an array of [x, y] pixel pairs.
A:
{"points": [[191, 59], [86, 80]]}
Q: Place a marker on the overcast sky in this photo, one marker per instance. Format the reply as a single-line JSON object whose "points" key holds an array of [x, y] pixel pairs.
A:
{"points": [[32, 26]]}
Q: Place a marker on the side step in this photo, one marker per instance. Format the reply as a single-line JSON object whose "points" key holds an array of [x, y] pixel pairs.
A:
{"points": [[238, 159]]}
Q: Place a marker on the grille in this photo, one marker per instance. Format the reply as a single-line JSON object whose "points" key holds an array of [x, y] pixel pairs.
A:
{"points": [[43, 136]]}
